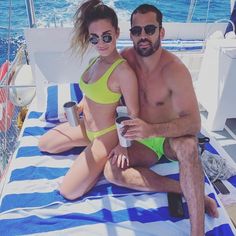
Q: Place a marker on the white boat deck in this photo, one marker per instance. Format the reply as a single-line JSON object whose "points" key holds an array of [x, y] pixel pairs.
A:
{"points": [[225, 138]]}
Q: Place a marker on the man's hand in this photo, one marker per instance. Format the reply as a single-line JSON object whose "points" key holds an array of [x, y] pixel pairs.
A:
{"points": [[137, 129], [119, 156]]}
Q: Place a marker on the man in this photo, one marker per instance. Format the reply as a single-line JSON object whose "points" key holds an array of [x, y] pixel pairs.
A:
{"points": [[168, 124]]}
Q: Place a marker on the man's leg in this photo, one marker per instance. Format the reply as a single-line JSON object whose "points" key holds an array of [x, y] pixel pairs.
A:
{"points": [[138, 176], [184, 149]]}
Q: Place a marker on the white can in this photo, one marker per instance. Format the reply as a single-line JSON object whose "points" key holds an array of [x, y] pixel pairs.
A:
{"points": [[122, 111], [123, 141]]}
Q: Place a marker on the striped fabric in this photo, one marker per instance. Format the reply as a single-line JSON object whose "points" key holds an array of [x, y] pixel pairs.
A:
{"points": [[32, 205], [169, 44], [57, 95]]}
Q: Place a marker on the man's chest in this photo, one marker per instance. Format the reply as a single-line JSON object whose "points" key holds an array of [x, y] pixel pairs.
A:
{"points": [[153, 92]]}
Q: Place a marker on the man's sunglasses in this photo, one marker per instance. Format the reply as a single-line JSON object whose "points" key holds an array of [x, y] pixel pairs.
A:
{"points": [[94, 39], [149, 30]]}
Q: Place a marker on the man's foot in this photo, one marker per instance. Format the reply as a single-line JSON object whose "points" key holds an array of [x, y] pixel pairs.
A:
{"points": [[211, 207]]}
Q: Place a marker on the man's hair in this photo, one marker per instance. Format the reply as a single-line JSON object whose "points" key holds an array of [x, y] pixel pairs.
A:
{"points": [[145, 8]]}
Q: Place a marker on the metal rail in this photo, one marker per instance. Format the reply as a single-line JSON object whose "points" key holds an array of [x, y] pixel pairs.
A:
{"points": [[9, 113], [31, 13]]}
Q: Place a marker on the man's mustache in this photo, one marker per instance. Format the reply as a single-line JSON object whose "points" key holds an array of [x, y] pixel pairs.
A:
{"points": [[144, 41]]}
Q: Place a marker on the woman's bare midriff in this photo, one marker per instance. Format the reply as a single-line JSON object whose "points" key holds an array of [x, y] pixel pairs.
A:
{"points": [[98, 116]]}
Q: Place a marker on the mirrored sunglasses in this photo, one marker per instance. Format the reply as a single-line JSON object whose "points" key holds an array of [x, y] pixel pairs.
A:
{"points": [[149, 30], [94, 39]]}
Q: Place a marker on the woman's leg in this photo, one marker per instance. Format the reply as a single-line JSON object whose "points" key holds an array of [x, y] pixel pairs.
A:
{"points": [[63, 137], [86, 169]]}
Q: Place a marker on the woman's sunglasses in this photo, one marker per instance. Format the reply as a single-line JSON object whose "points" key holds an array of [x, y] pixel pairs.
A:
{"points": [[149, 30], [94, 39]]}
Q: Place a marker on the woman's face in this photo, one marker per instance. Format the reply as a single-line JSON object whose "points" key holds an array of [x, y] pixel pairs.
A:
{"points": [[103, 36]]}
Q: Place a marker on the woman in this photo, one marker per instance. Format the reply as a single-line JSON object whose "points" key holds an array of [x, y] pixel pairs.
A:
{"points": [[106, 78]]}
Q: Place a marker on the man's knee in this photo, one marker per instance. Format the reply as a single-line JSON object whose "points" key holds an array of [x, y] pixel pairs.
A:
{"points": [[185, 148]]}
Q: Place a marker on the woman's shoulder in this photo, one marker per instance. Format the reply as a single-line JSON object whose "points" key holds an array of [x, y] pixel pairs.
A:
{"points": [[127, 53], [124, 67], [124, 71]]}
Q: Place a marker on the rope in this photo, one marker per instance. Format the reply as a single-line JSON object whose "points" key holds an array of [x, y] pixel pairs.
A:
{"points": [[206, 28], [208, 9], [216, 167], [191, 10], [9, 29], [227, 20], [6, 89]]}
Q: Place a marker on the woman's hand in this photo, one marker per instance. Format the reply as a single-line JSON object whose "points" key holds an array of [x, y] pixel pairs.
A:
{"points": [[119, 156], [79, 109]]}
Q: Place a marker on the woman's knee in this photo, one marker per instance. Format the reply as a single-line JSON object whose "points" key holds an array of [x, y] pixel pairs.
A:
{"points": [[66, 194], [70, 195], [51, 144], [43, 144]]}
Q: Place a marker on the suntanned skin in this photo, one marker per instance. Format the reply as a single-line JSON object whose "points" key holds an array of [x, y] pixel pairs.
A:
{"points": [[88, 166], [168, 108]]}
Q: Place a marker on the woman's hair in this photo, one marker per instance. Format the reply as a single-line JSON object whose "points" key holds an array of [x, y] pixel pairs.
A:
{"points": [[88, 12], [145, 8]]}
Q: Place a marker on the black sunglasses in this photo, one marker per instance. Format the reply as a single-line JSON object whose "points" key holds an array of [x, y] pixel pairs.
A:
{"points": [[149, 30], [94, 39]]}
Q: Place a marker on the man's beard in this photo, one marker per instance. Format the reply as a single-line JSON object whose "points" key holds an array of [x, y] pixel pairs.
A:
{"points": [[146, 52]]}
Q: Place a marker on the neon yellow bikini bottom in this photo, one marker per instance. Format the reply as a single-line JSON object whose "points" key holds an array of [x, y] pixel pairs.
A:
{"points": [[156, 144], [95, 134]]}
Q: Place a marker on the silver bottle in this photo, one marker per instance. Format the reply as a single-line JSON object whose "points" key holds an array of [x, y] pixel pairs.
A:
{"points": [[71, 113]]}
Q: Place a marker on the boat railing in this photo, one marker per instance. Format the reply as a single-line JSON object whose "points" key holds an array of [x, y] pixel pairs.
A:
{"points": [[30, 12], [10, 108]]}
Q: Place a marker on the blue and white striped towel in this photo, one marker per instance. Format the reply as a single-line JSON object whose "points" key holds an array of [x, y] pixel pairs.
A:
{"points": [[31, 204]]}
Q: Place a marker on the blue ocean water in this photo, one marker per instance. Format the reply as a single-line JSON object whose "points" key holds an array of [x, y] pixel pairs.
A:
{"points": [[49, 13]]}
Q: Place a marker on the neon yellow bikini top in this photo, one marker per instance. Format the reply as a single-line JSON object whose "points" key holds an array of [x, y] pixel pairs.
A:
{"points": [[98, 91]]}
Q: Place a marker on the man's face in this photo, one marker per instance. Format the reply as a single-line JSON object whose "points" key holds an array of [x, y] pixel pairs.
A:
{"points": [[145, 33]]}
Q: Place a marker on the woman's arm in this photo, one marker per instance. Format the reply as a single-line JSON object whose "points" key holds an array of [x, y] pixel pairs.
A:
{"points": [[129, 89], [80, 106]]}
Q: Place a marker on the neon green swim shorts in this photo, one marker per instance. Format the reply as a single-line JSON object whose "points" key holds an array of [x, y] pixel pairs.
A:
{"points": [[156, 144]]}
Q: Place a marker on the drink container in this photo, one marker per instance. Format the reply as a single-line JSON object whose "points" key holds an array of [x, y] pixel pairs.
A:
{"points": [[71, 113], [123, 141]]}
